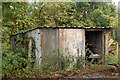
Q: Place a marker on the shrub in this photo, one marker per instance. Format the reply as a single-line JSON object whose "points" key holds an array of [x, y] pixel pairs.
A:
{"points": [[113, 59], [16, 65]]}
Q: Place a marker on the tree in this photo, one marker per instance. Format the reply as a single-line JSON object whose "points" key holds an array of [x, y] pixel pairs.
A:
{"points": [[21, 16]]}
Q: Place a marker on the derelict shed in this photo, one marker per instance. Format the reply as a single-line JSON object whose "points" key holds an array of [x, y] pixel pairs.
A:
{"points": [[65, 41]]}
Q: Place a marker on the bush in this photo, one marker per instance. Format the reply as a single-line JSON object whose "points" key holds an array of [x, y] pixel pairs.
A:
{"points": [[16, 65], [112, 59]]}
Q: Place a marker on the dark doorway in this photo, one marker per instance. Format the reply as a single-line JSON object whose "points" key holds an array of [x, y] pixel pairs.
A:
{"points": [[94, 42]]}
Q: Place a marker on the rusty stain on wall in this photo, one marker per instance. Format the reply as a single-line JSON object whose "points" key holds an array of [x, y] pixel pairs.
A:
{"points": [[72, 42], [50, 41]]}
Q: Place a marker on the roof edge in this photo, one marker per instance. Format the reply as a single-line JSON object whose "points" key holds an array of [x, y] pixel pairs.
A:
{"points": [[61, 27]]}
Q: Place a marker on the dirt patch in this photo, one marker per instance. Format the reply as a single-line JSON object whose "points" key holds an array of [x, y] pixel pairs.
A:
{"points": [[96, 72]]}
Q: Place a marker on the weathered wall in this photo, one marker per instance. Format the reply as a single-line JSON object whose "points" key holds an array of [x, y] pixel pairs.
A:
{"points": [[49, 42], [35, 35], [106, 45], [72, 42], [46, 42]]}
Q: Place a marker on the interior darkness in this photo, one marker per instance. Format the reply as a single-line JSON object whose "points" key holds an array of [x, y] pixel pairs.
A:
{"points": [[94, 42]]}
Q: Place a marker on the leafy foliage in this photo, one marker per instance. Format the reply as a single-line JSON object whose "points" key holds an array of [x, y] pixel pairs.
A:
{"points": [[16, 65], [113, 59], [21, 16], [24, 16]]}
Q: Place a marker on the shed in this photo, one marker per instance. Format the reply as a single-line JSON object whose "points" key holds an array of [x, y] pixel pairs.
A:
{"points": [[66, 41]]}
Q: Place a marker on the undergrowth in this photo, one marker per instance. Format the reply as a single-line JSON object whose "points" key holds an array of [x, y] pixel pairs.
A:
{"points": [[112, 60], [15, 64], [54, 63]]}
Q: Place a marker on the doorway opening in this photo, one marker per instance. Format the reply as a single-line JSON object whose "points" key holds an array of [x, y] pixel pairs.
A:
{"points": [[93, 45]]}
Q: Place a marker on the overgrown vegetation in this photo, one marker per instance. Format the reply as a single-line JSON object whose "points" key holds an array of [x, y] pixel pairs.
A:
{"points": [[15, 64], [21, 16], [56, 63], [113, 60], [50, 63]]}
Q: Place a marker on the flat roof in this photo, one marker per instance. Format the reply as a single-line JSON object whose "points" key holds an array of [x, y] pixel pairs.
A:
{"points": [[69, 27]]}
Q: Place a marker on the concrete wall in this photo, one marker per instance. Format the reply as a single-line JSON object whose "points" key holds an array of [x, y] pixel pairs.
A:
{"points": [[46, 43], [49, 42], [72, 42]]}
